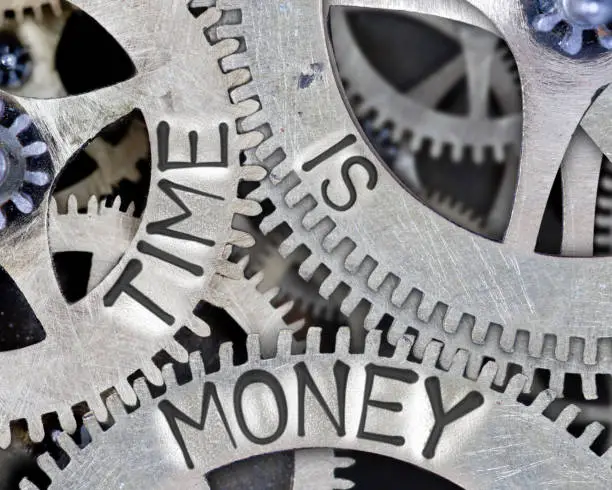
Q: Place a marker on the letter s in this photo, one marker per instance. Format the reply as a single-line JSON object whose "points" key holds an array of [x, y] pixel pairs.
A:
{"points": [[348, 182]]}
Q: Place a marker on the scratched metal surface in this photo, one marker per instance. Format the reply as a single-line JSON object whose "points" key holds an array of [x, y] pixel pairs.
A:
{"points": [[384, 244], [487, 441]]}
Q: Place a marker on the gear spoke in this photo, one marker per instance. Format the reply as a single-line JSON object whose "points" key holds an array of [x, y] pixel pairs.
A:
{"points": [[69, 123], [579, 175], [433, 89], [479, 48]]}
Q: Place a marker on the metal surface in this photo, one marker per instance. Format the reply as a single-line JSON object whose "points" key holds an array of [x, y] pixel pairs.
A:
{"points": [[499, 300], [88, 232], [438, 420], [151, 293]]}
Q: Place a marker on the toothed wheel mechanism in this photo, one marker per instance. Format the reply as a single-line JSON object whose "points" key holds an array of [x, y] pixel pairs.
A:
{"points": [[576, 23], [25, 165], [15, 62]]}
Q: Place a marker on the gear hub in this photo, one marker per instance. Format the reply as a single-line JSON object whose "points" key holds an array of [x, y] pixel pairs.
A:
{"points": [[578, 17], [25, 165], [15, 62]]}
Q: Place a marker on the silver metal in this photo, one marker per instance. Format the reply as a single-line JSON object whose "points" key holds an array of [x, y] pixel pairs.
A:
{"points": [[95, 343], [496, 443], [498, 300], [413, 117], [104, 232], [580, 16]]}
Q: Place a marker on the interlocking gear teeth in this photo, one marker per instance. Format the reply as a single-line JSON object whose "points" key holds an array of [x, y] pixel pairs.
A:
{"points": [[253, 310], [133, 438], [84, 365], [314, 468]]}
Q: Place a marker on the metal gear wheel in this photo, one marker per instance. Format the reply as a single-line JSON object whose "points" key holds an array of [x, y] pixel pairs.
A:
{"points": [[412, 117], [186, 231], [578, 16], [494, 300], [413, 412]]}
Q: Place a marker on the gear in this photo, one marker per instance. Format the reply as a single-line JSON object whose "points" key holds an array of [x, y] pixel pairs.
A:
{"points": [[417, 413], [135, 312], [495, 300], [578, 16], [116, 163], [414, 114], [74, 231], [18, 9]]}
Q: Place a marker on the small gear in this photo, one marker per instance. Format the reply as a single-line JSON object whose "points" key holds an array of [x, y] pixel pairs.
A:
{"points": [[25, 164], [578, 17], [15, 62], [19, 9], [382, 404]]}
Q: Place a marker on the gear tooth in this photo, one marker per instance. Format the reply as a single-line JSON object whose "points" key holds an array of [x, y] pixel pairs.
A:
{"points": [[169, 376], [480, 331], [270, 222], [67, 444], [98, 407], [350, 303], [131, 209], [177, 351], [536, 344], [235, 61], [313, 340], [590, 434], [562, 348], [141, 389], [53, 207], [49, 466], [93, 206], [459, 363], [254, 122], [126, 392], [244, 92], [196, 365], [343, 341], [589, 386], [73, 205], [92, 426], [557, 380], [115, 406], [328, 286], [436, 148], [253, 173], [247, 207], [36, 430], [403, 348], [542, 401], [230, 270], [27, 485], [567, 416], [478, 154], [5, 436], [487, 374], [313, 218], [229, 31], [296, 195], [516, 385], [56, 7], [308, 267], [332, 240], [372, 343], [250, 138], [285, 342], [432, 354], [373, 317], [590, 351], [342, 462], [152, 373], [241, 239], [457, 152], [289, 245], [499, 153], [199, 327], [354, 260], [226, 47], [67, 420], [254, 347]]}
